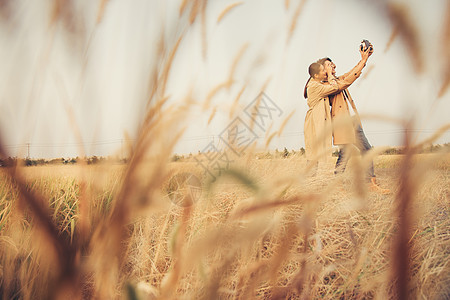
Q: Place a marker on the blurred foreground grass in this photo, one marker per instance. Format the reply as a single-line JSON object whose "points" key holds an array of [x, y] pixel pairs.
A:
{"points": [[287, 235]]}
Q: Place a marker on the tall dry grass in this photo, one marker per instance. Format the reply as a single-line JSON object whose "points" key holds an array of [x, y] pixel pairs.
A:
{"points": [[264, 229], [247, 236]]}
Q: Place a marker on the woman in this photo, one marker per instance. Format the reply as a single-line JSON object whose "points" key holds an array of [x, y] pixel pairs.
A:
{"points": [[318, 118], [317, 128]]}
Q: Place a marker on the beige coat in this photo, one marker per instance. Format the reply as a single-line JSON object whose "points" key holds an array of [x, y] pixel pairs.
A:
{"points": [[318, 119], [317, 129], [343, 124]]}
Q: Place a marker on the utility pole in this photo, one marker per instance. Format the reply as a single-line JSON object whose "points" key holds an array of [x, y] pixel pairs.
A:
{"points": [[28, 147]]}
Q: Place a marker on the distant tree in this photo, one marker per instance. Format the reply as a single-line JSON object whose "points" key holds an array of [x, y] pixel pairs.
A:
{"points": [[285, 153], [12, 161], [302, 151], [9, 162], [392, 151], [29, 162], [176, 157], [93, 160], [433, 148]]}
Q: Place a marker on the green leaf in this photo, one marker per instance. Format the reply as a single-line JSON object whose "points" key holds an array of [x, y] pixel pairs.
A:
{"points": [[131, 292], [240, 176]]}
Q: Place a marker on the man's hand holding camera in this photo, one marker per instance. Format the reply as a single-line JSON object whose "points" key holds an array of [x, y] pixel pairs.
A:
{"points": [[366, 50]]}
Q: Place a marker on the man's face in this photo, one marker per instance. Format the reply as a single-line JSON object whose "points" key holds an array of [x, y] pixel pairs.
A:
{"points": [[333, 68], [329, 64]]}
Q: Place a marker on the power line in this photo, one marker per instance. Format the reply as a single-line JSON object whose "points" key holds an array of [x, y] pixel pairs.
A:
{"points": [[120, 142]]}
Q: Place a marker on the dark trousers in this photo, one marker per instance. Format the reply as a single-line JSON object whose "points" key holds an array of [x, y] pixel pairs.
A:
{"points": [[362, 144]]}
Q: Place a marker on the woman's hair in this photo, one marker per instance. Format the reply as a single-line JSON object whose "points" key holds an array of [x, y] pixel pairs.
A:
{"points": [[313, 69]]}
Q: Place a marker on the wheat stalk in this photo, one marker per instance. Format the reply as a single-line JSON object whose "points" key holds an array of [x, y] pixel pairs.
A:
{"points": [[226, 10], [294, 20], [406, 29]]}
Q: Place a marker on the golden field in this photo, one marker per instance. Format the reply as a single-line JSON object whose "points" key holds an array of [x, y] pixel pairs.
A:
{"points": [[264, 229]]}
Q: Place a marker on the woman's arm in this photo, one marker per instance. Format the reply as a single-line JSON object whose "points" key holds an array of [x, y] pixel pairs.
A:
{"points": [[323, 90]]}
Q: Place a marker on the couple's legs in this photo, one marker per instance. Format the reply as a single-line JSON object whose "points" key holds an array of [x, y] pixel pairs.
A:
{"points": [[364, 146], [344, 153]]}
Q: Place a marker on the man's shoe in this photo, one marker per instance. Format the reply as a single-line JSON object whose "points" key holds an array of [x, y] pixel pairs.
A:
{"points": [[374, 187]]}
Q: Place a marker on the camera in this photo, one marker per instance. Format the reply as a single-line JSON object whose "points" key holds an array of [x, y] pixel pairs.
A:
{"points": [[365, 44]]}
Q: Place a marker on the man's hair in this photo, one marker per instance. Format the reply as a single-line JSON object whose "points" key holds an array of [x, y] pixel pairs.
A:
{"points": [[323, 60], [313, 69]]}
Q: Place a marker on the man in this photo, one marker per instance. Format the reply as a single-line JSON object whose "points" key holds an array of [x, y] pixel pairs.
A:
{"points": [[318, 138], [347, 130]]}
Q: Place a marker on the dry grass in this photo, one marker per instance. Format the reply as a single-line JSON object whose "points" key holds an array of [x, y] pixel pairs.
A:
{"points": [[267, 233], [406, 27], [294, 20], [446, 65], [227, 10], [264, 229]]}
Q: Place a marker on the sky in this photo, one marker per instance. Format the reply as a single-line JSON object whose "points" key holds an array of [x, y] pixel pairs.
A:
{"points": [[76, 85]]}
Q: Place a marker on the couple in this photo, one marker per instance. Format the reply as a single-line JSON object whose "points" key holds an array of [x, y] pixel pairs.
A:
{"points": [[324, 125]]}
